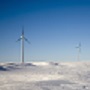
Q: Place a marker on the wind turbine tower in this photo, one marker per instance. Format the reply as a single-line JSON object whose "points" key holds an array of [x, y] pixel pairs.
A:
{"points": [[22, 38], [79, 51]]}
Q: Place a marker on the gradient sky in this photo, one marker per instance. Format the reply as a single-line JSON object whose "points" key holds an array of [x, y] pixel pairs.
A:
{"points": [[54, 28]]}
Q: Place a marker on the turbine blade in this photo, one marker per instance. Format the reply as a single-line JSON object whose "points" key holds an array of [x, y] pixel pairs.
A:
{"points": [[18, 39], [27, 40], [76, 47], [23, 30]]}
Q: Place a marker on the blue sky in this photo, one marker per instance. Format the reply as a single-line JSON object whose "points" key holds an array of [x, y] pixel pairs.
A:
{"points": [[54, 28]]}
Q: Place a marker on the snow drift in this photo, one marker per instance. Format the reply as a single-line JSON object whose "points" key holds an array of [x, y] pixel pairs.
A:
{"points": [[45, 76]]}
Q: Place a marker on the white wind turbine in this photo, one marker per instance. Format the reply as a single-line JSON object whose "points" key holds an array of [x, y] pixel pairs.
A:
{"points": [[22, 38], [79, 51]]}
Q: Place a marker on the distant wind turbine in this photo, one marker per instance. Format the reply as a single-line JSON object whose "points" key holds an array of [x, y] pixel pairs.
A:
{"points": [[22, 38], [79, 51]]}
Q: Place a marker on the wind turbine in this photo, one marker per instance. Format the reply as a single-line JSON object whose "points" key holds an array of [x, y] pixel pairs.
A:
{"points": [[79, 51], [22, 38]]}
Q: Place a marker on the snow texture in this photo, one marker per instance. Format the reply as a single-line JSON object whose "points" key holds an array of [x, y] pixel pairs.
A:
{"points": [[45, 76]]}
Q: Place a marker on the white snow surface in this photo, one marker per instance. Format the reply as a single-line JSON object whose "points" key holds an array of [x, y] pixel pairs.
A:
{"points": [[45, 76]]}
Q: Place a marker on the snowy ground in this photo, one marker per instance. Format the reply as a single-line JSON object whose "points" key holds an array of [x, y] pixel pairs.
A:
{"points": [[45, 76]]}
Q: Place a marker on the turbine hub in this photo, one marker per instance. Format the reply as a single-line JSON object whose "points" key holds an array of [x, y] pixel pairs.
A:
{"points": [[20, 36]]}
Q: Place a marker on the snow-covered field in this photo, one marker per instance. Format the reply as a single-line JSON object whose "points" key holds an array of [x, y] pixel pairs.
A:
{"points": [[45, 76]]}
